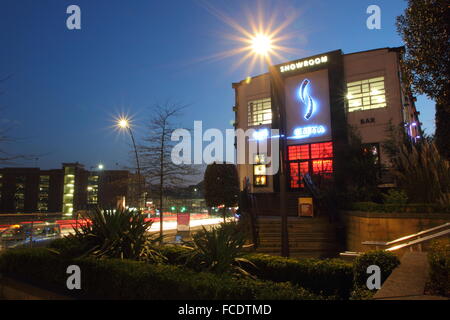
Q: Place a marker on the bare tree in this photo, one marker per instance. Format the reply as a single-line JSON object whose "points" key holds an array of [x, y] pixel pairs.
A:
{"points": [[157, 165], [5, 157], [5, 127]]}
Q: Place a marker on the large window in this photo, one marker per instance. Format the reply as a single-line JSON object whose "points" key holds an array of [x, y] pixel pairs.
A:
{"points": [[92, 189], [44, 185], [259, 112], [315, 159], [69, 189], [366, 94]]}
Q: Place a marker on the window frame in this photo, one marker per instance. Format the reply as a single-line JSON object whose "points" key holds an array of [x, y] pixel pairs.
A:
{"points": [[365, 94], [257, 108], [309, 161]]}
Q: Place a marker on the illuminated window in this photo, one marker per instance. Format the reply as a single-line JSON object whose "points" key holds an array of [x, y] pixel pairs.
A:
{"points": [[316, 159], [69, 186], [259, 170], [259, 112], [374, 149], [44, 184], [92, 189], [366, 94]]}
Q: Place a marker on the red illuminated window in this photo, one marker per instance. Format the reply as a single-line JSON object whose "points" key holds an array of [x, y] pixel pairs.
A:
{"points": [[298, 152], [316, 158]]}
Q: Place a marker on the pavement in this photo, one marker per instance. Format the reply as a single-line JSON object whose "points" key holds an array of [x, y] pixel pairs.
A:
{"points": [[407, 281]]}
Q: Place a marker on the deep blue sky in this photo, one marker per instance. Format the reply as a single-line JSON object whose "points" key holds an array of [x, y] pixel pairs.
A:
{"points": [[66, 86]]}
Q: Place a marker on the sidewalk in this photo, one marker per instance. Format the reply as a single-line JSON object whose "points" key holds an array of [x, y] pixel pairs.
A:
{"points": [[407, 282]]}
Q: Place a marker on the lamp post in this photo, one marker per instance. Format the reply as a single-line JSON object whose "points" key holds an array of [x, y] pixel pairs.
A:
{"points": [[124, 124], [262, 45]]}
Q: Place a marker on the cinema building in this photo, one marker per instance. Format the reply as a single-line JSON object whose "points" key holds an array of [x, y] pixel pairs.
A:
{"points": [[313, 101]]}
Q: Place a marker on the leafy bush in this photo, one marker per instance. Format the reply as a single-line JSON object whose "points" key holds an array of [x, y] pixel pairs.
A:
{"points": [[219, 250], [387, 261], [439, 261], [126, 279], [116, 234], [394, 196]]}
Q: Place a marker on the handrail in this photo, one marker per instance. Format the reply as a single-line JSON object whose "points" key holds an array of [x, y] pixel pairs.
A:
{"points": [[418, 234], [418, 241]]}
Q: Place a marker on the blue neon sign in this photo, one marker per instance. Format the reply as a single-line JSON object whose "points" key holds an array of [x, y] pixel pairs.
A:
{"points": [[308, 131], [306, 98]]}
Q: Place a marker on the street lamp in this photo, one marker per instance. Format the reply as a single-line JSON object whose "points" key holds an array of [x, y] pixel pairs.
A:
{"points": [[263, 45], [123, 123]]}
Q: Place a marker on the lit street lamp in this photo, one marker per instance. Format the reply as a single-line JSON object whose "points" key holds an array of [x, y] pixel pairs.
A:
{"points": [[124, 124]]}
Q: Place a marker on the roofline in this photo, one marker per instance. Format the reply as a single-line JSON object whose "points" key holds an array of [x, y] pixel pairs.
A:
{"points": [[396, 49]]}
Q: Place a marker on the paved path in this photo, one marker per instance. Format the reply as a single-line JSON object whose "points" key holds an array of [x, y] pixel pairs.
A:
{"points": [[407, 282]]}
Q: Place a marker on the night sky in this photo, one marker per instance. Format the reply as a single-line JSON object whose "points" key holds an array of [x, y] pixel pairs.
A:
{"points": [[65, 87]]}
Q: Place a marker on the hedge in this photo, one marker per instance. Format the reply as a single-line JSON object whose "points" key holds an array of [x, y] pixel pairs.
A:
{"points": [[400, 208], [328, 277], [439, 272], [125, 279], [387, 261]]}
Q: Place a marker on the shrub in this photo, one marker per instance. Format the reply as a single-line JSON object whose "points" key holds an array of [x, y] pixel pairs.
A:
{"points": [[361, 293], [115, 234], [392, 207], [219, 250], [328, 277], [126, 279], [394, 196], [423, 173], [439, 261], [387, 261]]}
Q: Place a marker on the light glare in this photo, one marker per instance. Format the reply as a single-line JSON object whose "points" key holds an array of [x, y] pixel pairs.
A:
{"points": [[261, 44]]}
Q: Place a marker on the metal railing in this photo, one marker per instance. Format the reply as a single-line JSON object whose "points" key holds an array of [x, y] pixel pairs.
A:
{"points": [[412, 239], [408, 241]]}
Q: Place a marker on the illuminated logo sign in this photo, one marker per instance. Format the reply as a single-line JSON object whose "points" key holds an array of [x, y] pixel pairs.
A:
{"points": [[304, 63], [308, 131], [305, 97]]}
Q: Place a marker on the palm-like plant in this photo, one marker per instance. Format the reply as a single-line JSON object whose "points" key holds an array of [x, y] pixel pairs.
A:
{"points": [[423, 173], [219, 250], [117, 234]]}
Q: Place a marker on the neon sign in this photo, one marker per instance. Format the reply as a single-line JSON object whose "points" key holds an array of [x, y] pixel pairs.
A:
{"points": [[303, 93], [308, 131], [303, 63], [261, 134]]}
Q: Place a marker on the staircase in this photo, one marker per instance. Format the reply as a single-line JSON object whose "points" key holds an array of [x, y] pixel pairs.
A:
{"points": [[308, 237]]}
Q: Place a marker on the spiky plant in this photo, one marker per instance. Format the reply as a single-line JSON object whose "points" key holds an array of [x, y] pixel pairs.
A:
{"points": [[423, 173], [117, 234], [219, 250]]}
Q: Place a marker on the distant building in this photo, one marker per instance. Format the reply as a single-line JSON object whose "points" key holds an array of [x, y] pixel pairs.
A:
{"points": [[65, 190]]}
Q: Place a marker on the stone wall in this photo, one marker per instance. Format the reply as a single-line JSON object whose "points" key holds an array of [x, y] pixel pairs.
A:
{"points": [[377, 226]]}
